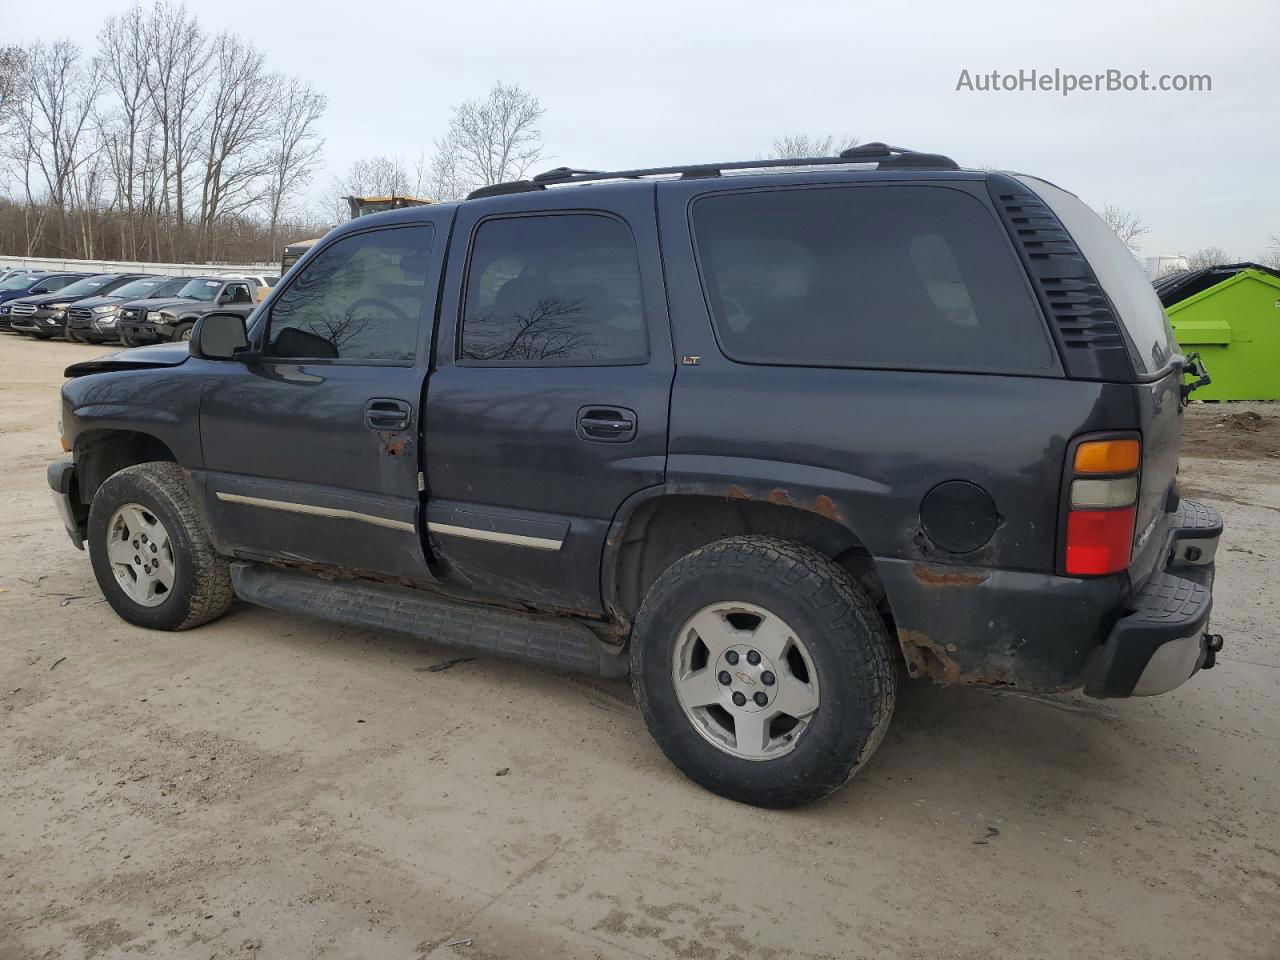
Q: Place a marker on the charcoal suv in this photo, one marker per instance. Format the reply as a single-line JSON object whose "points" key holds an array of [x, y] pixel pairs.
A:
{"points": [[764, 435]]}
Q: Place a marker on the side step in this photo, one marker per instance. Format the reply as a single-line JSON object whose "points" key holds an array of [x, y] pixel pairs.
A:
{"points": [[549, 641]]}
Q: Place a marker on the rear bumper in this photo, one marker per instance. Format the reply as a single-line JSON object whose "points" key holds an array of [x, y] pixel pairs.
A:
{"points": [[1165, 639], [1042, 632]]}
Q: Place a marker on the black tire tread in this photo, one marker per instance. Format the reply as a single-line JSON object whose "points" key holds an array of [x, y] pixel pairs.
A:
{"points": [[212, 593], [852, 623]]}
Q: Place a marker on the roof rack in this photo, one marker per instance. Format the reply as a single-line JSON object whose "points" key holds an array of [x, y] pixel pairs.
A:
{"points": [[881, 154]]}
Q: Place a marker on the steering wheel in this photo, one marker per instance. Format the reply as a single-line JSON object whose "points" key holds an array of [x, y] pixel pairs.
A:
{"points": [[379, 302]]}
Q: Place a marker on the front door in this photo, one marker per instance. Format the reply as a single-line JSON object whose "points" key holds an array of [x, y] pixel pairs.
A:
{"points": [[548, 404], [311, 453]]}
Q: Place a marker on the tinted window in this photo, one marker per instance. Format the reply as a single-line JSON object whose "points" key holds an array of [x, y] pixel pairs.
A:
{"points": [[893, 276], [554, 289], [140, 288], [169, 289], [1122, 277], [89, 285], [200, 289], [359, 299], [18, 281]]}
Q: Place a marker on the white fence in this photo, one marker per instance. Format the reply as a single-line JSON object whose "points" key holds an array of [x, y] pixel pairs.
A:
{"points": [[129, 266]]}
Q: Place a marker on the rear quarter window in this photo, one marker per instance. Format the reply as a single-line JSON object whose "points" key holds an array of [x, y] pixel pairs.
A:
{"points": [[910, 277], [1146, 326]]}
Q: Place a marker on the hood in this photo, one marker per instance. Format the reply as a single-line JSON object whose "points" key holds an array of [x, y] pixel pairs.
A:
{"points": [[135, 358], [44, 299], [92, 302], [168, 303]]}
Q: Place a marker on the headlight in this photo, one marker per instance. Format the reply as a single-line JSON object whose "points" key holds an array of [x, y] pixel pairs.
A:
{"points": [[155, 316], [107, 308]]}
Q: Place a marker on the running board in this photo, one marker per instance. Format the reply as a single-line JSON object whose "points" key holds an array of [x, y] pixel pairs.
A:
{"points": [[554, 642]]}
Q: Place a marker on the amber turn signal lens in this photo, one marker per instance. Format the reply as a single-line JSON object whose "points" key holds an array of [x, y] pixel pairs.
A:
{"points": [[1108, 456], [66, 447]]}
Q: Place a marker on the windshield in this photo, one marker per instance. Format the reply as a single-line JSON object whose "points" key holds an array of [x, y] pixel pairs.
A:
{"points": [[200, 289], [82, 288], [139, 288], [170, 288], [19, 281]]}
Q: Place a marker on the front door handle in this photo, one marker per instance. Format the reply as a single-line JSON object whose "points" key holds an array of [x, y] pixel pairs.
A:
{"points": [[383, 413], [606, 424]]}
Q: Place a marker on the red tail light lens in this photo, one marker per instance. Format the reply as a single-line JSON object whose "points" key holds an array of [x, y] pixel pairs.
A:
{"points": [[1101, 495], [1099, 541]]}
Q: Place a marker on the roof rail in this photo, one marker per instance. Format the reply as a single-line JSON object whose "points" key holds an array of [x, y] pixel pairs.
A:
{"points": [[884, 156]]}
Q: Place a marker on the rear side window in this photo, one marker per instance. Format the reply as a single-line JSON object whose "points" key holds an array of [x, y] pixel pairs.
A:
{"points": [[1135, 302], [361, 298], [553, 289], [875, 276]]}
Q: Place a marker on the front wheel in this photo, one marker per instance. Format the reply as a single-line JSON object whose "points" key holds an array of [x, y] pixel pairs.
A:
{"points": [[150, 552], [763, 671], [182, 332]]}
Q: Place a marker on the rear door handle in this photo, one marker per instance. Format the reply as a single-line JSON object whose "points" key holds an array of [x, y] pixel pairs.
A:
{"points": [[383, 413], [606, 424]]}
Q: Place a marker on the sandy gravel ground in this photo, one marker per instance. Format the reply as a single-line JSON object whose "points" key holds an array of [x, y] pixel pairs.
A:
{"points": [[274, 788]]}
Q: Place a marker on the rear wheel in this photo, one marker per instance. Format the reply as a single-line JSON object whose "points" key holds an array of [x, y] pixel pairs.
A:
{"points": [[150, 553], [763, 671]]}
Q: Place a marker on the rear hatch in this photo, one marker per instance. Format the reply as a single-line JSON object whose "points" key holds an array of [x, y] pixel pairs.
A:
{"points": [[1157, 363]]}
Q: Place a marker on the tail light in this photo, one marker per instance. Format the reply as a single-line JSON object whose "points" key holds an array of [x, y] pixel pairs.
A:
{"points": [[1102, 505]]}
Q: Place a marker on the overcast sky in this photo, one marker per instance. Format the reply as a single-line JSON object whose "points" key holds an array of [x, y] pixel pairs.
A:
{"points": [[668, 82]]}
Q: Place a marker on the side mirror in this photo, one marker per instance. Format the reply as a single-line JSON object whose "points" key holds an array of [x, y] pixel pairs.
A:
{"points": [[220, 336]]}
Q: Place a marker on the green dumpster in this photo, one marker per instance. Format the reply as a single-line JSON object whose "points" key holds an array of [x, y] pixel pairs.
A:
{"points": [[1231, 316]]}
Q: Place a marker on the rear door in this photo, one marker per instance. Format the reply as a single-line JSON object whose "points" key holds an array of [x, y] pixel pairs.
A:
{"points": [[311, 452], [548, 404]]}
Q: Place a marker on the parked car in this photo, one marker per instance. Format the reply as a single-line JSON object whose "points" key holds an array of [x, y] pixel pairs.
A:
{"points": [[757, 439], [31, 283], [93, 320], [174, 319], [45, 315]]}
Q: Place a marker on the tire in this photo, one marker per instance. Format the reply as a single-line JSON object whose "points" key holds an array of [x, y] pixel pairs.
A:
{"points": [[838, 650], [129, 341], [200, 587], [74, 337], [182, 331]]}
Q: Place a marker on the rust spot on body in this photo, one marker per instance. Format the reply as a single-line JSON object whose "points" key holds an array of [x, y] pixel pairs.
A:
{"points": [[824, 506], [928, 658], [944, 577], [737, 493], [780, 497], [393, 444]]}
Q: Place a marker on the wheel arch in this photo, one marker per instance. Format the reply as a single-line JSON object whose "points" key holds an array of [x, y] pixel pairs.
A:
{"points": [[102, 452], [659, 525]]}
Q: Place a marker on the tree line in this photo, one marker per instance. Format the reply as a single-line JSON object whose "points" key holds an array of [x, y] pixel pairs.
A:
{"points": [[165, 142]]}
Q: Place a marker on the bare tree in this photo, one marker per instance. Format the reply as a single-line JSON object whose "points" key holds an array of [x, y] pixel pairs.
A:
{"points": [[177, 63], [379, 176], [1127, 224], [800, 145], [295, 147], [1271, 258], [13, 63], [236, 129], [490, 140], [128, 125], [60, 89], [1206, 257]]}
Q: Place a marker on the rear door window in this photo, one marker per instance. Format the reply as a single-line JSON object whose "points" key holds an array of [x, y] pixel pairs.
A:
{"points": [[876, 276]]}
